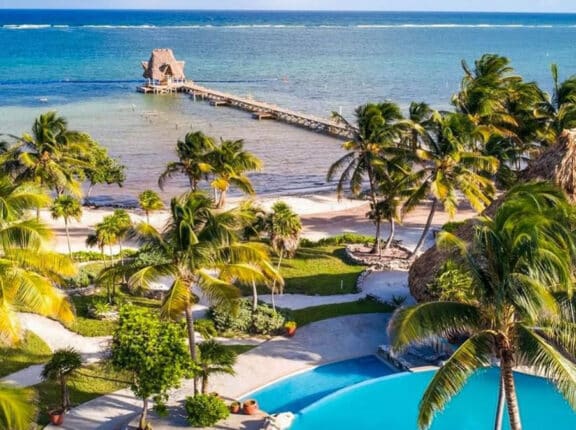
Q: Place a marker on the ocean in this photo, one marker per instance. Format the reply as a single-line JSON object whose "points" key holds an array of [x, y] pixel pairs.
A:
{"points": [[86, 66]]}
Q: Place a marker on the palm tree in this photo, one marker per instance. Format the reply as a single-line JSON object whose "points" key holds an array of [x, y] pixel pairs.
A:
{"points": [[519, 262], [52, 156], [150, 201], [61, 367], [284, 227], [379, 127], [66, 207], [199, 248], [213, 358], [17, 407], [447, 166], [193, 153], [230, 161], [28, 272]]}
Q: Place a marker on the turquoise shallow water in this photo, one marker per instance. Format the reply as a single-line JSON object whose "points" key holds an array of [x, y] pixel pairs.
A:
{"points": [[87, 65], [298, 391], [392, 403]]}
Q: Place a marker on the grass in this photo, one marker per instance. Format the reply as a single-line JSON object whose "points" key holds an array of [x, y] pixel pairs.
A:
{"points": [[318, 313], [31, 350], [317, 271], [93, 381], [86, 325]]}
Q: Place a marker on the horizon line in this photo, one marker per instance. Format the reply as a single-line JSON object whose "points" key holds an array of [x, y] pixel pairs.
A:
{"points": [[287, 10]]}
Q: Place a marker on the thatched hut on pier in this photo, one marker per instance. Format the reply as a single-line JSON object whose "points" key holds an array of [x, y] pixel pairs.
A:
{"points": [[556, 164], [163, 69]]}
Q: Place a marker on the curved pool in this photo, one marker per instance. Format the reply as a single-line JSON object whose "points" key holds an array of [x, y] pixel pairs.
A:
{"points": [[391, 402]]}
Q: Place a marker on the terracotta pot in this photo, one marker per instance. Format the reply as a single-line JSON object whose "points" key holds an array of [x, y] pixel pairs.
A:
{"points": [[290, 331], [250, 407], [56, 417], [235, 407]]}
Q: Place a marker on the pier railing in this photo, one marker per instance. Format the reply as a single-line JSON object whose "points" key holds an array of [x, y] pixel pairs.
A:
{"points": [[260, 110]]}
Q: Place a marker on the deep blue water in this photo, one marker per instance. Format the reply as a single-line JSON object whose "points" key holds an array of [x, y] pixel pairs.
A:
{"points": [[296, 392], [86, 65]]}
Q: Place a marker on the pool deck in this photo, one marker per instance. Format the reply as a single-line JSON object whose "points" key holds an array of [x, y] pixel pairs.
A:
{"points": [[317, 343]]}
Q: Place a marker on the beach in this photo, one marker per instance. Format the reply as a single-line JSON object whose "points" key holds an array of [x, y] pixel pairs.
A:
{"points": [[322, 214]]}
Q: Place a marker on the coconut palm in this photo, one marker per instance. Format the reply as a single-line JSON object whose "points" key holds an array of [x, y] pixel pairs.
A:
{"points": [[28, 272], [17, 407], [379, 127], [51, 155], [230, 161], [213, 358], [518, 261], [61, 367], [66, 207], [446, 166], [150, 201], [193, 160], [199, 248]]}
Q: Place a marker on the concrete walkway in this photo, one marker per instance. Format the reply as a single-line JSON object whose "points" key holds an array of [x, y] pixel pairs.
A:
{"points": [[317, 343], [383, 285]]}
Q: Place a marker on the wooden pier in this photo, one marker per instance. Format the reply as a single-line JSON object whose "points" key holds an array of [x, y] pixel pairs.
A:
{"points": [[259, 110]]}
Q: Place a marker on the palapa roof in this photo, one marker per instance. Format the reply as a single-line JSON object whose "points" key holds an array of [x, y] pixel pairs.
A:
{"points": [[163, 65], [556, 164]]}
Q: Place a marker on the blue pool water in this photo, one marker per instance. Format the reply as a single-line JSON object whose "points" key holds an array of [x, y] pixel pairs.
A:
{"points": [[392, 403], [299, 391]]}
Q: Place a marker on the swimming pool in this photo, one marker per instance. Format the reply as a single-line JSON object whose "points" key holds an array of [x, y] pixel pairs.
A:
{"points": [[392, 403], [296, 392]]}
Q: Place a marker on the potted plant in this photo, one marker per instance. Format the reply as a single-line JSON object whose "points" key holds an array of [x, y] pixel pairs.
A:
{"points": [[235, 407], [290, 327], [250, 407], [60, 368]]}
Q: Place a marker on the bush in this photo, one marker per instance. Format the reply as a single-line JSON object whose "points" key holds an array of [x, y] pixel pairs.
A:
{"points": [[85, 277], [84, 256], [452, 226], [205, 410], [340, 239], [264, 320]]}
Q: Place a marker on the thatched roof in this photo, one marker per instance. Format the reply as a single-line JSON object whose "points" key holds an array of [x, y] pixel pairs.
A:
{"points": [[556, 164], [162, 65]]}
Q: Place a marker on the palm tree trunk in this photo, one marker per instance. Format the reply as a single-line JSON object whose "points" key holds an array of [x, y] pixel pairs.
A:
{"points": [[191, 340], [426, 228], [67, 236], [205, 384], [254, 297], [147, 217], [392, 232], [274, 283], [500, 406], [376, 248], [144, 416], [63, 393], [222, 199], [506, 364]]}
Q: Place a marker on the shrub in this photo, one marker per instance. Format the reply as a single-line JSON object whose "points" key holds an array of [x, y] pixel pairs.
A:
{"points": [[84, 256], [206, 328], [264, 320], [340, 239], [205, 410], [452, 283], [85, 277], [452, 226]]}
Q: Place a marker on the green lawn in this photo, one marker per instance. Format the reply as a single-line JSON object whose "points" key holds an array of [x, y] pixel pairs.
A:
{"points": [[88, 326], [317, 271], [95, 380], [31, 350], [318, 313]]}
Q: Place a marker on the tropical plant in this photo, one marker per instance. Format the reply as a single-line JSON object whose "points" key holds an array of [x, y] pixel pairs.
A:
{"points": [[62, 366], [51, 155], [284, 227], [230, 161], [213, 358], [28, 272], [520, 262], [448, 164], [193, 160], [102, 169], [66, 207], [153, 351], [17, 407], [379, 128], [199, 248], [150, 201], [205, 410]]}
